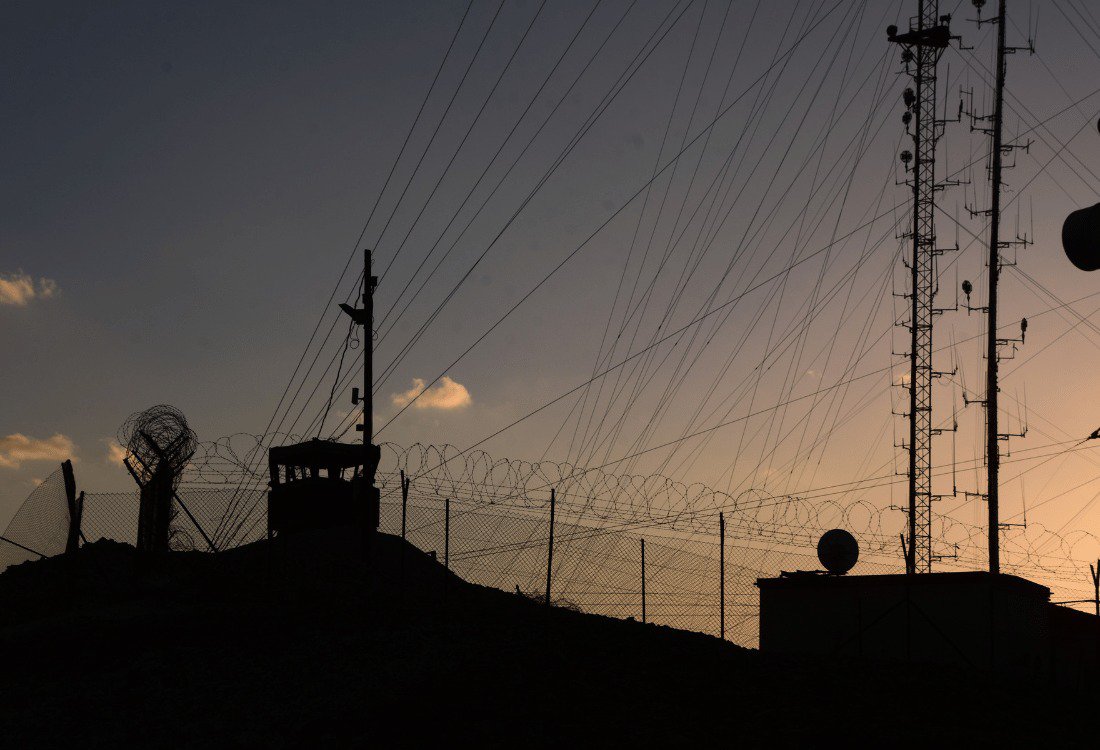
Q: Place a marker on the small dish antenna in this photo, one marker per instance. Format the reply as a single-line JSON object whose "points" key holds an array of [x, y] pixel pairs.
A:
{"points": [[838, 551]]}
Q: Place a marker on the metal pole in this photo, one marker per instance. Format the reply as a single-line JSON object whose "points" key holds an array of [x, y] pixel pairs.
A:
{"points": [[550, 547], [371, 454], [20, 546], [404, 501], [914, 333], [722, 576], [993, 456], [364, 317], [76, 507], [643, 581], [923, 46], [447, 534], [194, 521], [1096, 584], [369, 283], [405, 482]]}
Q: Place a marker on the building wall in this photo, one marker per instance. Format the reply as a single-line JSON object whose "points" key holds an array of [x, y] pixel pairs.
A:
{"points": [[1075, 647], [970, 619]]}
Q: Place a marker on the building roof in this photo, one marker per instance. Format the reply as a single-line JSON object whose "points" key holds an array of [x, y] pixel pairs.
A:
{"points": [[809, 580], [320, 453]]}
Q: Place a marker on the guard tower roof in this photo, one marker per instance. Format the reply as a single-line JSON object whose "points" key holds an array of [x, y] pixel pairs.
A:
{"points": [[318, 452]]}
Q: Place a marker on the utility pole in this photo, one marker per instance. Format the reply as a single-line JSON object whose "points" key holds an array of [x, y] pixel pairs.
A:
{"points": [[922, 47], [372, 454], [369, 283], [995, 262], [992, 388]]}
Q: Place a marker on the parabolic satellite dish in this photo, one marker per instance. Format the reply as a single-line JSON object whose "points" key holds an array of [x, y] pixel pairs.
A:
{"points": [[838, 551], [1081, 238]]}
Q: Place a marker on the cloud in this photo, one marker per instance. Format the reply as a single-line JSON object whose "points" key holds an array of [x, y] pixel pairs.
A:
{"points": [[17, 448], [446, 394], [18, 289], [115, 452]]}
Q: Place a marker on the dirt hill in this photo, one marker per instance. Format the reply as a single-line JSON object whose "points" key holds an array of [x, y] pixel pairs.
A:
{"points": [[304, 644]]}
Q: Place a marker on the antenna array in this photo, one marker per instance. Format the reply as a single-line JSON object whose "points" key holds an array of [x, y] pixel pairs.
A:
{"points": [[922, 47], [993, 125]]}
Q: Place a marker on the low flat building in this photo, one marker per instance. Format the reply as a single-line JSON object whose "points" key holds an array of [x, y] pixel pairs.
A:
{"points": [[972, 619]]}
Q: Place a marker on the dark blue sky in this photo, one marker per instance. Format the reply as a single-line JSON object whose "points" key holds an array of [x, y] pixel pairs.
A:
{"points": [[191, 175], [190, 179]]}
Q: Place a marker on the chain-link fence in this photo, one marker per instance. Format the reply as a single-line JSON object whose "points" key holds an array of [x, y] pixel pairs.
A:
{"points": [[41, 525], [597, 559], [113, 515], [598, 568]]}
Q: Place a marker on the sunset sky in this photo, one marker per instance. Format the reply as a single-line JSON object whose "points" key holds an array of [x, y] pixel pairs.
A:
{"points": [[184, 183]]}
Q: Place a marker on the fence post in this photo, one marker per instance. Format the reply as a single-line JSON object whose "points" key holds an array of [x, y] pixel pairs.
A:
{"points": [[446, 548], [1096, 584], [643, 581], [76, 508], [722, 576], [550, 547], [405, 482]]}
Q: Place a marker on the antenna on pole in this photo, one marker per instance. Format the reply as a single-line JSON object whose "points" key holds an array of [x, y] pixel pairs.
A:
{"points": [[364, 317], [922, 46], [993, 343]]}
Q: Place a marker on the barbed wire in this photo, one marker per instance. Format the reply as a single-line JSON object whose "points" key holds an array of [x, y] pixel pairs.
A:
{"points": [[228, 459], [639, 502], [499, 529], [160, 439], [635, 502]]}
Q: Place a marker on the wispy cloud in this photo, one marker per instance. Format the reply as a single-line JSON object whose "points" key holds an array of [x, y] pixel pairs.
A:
{"points": [[115, 452], [19, 289], [447, 394], [17, 448]]}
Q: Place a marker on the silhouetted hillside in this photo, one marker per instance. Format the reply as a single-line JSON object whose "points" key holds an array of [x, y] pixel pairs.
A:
{"points": [[286, 646]]}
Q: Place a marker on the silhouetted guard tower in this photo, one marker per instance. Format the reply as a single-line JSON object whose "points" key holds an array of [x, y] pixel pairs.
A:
{"points": [[314, 485], [323, 483]]}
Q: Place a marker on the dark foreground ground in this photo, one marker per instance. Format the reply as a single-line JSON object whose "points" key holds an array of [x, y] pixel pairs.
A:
{"points": [[287, 647]]}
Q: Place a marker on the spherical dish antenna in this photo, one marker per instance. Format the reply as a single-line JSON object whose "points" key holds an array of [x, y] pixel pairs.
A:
{"points": [[838, 551]]}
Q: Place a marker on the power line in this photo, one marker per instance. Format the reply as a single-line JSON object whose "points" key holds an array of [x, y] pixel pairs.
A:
{"points": [[573, 253]]}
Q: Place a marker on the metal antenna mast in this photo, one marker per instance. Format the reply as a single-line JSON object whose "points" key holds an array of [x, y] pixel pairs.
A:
{"points": [[923, 46], [369, 283], [364, 317], [992, 387], [992, 448]]}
